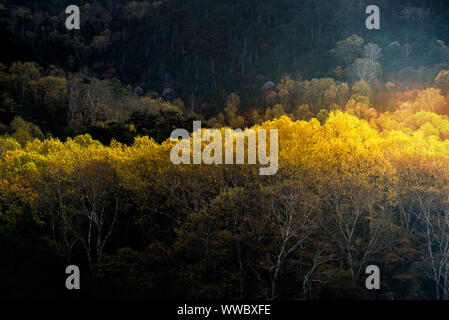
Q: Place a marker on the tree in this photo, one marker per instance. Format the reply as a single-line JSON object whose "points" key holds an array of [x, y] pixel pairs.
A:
{"points": [[352, 189], [231, 109], [292, 219], [80, 199], [98, 201], [430, 100], [362, 89], [427, 208], [372, 52], [442, 80], [365, 69], [223, 241], [349, 49], [23, 131]]}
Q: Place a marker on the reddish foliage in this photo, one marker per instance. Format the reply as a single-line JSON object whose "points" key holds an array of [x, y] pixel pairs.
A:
{"points": [[392, 100]]}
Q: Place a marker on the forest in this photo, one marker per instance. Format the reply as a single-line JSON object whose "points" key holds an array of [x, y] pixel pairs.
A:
{"points": [[85, 171]]}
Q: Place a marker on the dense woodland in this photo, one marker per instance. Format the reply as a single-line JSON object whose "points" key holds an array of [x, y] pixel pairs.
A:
{"points": [[86, 177]]}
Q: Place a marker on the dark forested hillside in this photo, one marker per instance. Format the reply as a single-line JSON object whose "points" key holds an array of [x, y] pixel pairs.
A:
{"points": [[204, 49]]}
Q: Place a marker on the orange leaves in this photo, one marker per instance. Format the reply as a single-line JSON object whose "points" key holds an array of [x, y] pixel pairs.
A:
{"points": [[360, 110], [15, 195], [17, 189], [430, 100]]}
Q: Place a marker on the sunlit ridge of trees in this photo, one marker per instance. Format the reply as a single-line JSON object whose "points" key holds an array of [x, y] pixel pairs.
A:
{"points": [[354, 188]]}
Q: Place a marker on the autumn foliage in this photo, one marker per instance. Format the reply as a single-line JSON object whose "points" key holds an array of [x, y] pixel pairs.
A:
{"points": [[357, 188]]}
